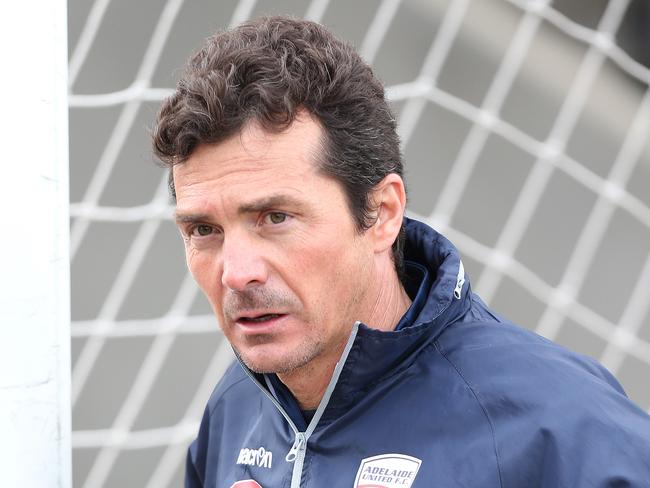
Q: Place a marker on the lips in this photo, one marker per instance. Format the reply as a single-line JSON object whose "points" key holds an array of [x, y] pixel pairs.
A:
{"points": [[259, 319], [260, 323], [255, 320]]}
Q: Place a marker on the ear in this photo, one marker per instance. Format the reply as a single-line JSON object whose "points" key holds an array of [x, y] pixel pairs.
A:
{"points": [[389, 201]]}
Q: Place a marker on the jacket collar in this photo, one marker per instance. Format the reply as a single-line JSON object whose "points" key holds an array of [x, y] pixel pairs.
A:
{"points": [[376, 354]]}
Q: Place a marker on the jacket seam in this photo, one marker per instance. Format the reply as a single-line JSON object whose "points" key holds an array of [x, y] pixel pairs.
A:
{"points": [[440, 350]]}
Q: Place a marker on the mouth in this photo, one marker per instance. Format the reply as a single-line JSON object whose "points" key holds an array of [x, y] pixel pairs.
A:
{"points": [[258, 319]]}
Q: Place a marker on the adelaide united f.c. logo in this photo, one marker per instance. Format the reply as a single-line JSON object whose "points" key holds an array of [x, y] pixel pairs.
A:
{"points": [[387, 471]]}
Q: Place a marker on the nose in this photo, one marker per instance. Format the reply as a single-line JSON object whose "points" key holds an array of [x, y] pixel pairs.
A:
{"points": [[243, 263]]}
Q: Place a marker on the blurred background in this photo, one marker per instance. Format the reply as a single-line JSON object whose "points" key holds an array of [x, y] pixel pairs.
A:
{"points": [[526, 134]]}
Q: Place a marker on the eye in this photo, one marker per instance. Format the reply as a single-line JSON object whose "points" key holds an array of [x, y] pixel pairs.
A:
{"points": [[202, 230], [275, 217]]}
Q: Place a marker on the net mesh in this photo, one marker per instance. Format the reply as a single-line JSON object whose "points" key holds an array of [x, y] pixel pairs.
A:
{"points": [[526, 134]]}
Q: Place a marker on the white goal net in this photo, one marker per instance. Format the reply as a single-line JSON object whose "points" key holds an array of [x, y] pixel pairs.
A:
{"points": [[526, 134]]}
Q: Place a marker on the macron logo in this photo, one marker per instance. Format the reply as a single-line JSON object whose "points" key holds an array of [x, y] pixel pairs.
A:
{"points": [[255, 457]]}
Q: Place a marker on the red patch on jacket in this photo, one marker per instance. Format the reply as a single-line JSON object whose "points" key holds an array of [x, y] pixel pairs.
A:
{"points": [[246, 484]]}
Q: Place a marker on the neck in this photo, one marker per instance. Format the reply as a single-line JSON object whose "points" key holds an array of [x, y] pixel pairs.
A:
{"points": [[390, 303], [308, 384], [383, 310]]}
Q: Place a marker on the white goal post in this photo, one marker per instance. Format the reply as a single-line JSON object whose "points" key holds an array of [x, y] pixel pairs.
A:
{"points": [[34, 257]]}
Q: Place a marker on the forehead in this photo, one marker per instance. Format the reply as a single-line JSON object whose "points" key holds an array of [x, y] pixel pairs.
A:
{"points": [[252, 163]]}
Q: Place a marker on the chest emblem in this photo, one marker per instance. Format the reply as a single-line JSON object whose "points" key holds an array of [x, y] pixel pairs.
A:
{"points": [[387, 471]]}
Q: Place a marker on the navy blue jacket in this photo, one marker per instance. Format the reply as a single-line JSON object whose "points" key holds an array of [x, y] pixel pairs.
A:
{"points": [[454, 397]]}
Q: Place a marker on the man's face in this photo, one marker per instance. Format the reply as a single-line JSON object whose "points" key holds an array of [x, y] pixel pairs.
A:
{"points": [[272, 243]]}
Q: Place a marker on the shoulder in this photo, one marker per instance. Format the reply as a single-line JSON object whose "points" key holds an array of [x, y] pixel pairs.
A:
{"points": [[234, 385], [509, 364], [556, 414], [490, 349]]}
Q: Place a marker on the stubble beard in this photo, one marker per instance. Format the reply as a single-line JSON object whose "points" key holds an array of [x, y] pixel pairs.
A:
{"points": [[301, 355], [311, 345]]}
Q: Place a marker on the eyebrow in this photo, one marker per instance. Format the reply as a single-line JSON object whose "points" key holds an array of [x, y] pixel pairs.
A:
{"points": [[273, 201], [266, 203], [189, 218]]}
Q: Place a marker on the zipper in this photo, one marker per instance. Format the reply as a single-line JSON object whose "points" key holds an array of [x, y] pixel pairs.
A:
{"points": [[460, 280], [299, 444], [298, 450], [270, 397], [296, 455]]}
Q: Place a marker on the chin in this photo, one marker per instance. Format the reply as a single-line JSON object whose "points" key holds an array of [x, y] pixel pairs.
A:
{"points": [[261, 359], [264, 364], [258, 363]]}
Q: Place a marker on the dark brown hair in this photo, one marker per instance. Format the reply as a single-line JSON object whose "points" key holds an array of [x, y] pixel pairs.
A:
{"points": [[267, 71]]}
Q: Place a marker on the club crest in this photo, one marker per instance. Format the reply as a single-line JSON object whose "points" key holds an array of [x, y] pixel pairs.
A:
{"points": [[387, 471]]}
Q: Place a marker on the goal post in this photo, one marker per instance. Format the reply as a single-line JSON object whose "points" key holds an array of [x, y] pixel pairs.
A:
{"points": [[34, 258]]}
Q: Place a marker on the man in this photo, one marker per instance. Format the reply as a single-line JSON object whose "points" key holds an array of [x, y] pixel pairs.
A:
{"points": [[364, 358]]}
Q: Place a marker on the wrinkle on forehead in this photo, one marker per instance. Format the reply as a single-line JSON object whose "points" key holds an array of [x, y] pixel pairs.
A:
{"points": [[253, 160]]}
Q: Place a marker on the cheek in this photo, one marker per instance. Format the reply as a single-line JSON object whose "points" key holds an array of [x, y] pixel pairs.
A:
{"points": [[326, 269], [203, 271], [191, 261]]}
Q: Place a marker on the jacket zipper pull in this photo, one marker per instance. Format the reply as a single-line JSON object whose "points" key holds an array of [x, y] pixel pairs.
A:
{"points": [[460, 280], [299, 444]]}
